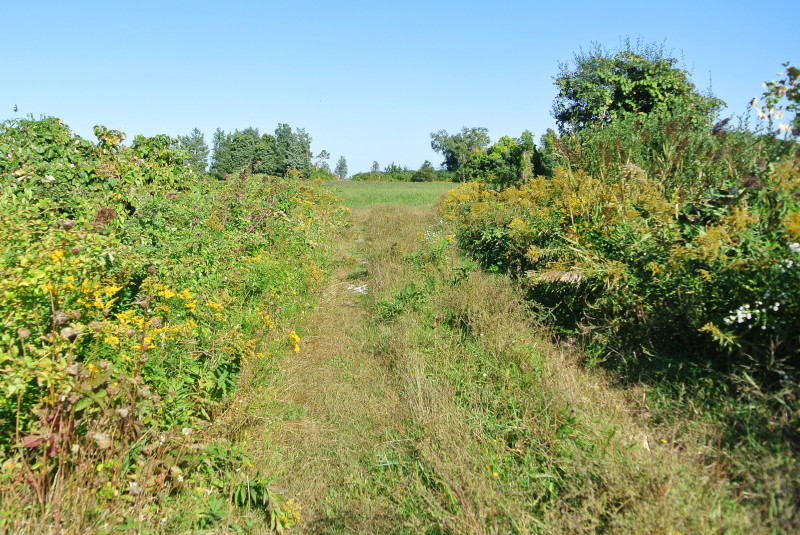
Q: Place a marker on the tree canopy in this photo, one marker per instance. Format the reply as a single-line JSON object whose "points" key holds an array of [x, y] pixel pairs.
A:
{"points": [[195, 146], [457, 148], [341, 168], [601, 85], [279, 155]]}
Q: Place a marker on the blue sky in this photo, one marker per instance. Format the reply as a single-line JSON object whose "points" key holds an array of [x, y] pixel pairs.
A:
{"points": [[367, 80]]}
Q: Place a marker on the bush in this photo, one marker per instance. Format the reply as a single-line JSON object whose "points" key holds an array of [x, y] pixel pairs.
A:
{"points": [[712, 279], [134, 295]]}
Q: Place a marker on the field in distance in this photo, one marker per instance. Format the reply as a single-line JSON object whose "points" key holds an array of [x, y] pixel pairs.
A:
{"points": [[356, 194]]}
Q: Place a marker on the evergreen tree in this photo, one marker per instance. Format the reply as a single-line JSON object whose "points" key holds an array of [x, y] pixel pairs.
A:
{"points": [[221, 158], [341, 168], [195, 146]]}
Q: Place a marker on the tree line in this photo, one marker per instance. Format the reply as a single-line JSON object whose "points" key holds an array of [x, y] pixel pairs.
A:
{"points": [[286, 152]]}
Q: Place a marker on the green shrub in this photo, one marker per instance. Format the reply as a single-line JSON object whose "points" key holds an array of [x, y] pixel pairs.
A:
{"points": [[135, 294]]}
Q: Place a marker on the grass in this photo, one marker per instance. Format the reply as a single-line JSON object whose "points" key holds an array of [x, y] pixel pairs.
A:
{"points": [[431, 404], [358, 194]]}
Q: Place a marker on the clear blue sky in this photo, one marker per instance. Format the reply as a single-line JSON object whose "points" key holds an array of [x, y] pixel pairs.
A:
{"points": [[367, 80]]}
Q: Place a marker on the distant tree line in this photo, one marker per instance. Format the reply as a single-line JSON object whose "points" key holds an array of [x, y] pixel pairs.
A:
{"points": [[396, 173], [280, 154]]}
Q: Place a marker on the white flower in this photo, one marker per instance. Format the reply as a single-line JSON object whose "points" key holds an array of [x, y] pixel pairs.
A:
{"points": [[186, 431]]}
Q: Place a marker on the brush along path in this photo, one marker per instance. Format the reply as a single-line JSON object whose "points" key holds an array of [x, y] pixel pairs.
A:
{"points": [[429, 404]]}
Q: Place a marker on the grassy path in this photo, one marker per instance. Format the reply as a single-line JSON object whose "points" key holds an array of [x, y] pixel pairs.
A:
{"points": [[429, 404]]}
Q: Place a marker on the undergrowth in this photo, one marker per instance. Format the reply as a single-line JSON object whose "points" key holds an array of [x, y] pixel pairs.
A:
{"points": [[669, 255], [136, 295]]}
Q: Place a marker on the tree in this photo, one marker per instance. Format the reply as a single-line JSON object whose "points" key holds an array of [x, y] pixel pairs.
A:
{"points": [[375, 168], [273, 155], [602, 85], [321, 157], [508, 161], [457, 148], [221, 158], [293, 149], [341, 168], [426, 173], [195, 147]]}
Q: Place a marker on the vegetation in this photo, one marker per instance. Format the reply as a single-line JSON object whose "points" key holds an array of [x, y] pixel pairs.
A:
{"points": [[284, 153], [598, 334], [341, 168], [602, 86], [666, 247], [357, 194], [136, 294], [194, 145]]}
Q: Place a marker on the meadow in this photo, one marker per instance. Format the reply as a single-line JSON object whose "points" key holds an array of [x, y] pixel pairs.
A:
{"points": [[599, 334], [357, 194]]}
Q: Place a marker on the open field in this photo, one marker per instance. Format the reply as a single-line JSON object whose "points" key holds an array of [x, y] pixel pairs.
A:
{"points": [[357, 194]]}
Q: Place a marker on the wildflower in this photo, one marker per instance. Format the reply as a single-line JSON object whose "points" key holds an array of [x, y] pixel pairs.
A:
{"points": [[186, 431], [270, 324], [294, 339]]}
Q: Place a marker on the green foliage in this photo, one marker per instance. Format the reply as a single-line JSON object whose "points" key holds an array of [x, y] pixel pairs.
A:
{"points": [[132, 302], [341, 168], [194, 145], [284, 153], [602, 86], [636, 272], [458, 148], [782, 96], [685, 158], [426, 173]]}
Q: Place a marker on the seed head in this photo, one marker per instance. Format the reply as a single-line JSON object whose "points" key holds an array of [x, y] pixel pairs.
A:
{"points": [[60, 318]]}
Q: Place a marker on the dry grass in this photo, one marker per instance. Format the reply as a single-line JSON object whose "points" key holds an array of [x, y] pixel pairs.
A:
{"points": [[433, 405]]}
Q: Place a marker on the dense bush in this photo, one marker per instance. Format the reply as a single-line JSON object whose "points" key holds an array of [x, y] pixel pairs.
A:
{"points": [[134, 295], [659, 240]]}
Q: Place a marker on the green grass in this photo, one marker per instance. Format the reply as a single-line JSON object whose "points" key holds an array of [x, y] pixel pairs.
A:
{"points": [[430, 405], [357, 194]]}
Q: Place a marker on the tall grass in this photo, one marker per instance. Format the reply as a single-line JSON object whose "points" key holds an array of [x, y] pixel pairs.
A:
{"points": [[431, 403]]}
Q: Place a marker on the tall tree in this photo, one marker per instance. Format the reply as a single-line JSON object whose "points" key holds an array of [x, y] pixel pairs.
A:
{"points": [[321, 157], [221, 158], [195, 147], [276, 155], [341, 168], [602, 85], [457, 148], [375, 168]]}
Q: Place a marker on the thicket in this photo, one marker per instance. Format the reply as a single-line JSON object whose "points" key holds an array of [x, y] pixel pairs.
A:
{"points": [[667, 243], [135, 293]]}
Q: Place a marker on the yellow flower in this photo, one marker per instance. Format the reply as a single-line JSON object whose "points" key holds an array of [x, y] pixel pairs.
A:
{"points": [[294, 339], [57, 256]]}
